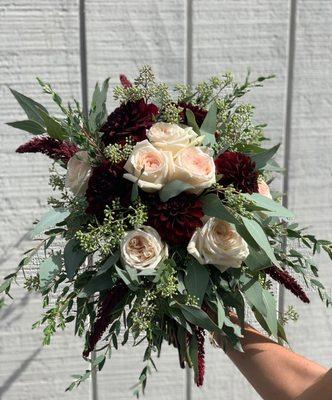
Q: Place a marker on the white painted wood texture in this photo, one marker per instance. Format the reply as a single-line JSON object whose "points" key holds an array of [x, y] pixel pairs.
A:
{"points": [[42, 38], [310, 170], [39, 38]]}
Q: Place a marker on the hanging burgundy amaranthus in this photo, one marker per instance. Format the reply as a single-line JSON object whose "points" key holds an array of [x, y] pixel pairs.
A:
{"points": [[54, 148], [284, 278], [104, 319], [200, 336]]}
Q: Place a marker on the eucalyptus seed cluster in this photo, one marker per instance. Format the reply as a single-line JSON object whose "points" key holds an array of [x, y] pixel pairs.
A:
{"points": [[168, 287], [290, 315], [236, 201], [117, 153], [191, 300], [144, 311], [184, 92], [56, 180], [170, 112], [139, 215], [144, 87], [107, 236], [32, 283], [123, 95], [237, 126]]}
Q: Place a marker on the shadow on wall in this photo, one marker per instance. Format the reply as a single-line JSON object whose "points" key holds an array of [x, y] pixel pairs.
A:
{"points": [[7, 320], [8, 252], [18, 372], [8, 311]]}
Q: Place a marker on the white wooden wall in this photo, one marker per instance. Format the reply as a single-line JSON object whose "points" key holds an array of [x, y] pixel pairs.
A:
{"points": [[184, 40]]}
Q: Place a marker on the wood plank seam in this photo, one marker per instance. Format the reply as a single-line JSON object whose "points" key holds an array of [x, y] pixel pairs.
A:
{"points": [[85, 107], [288, 123], [189, 81]]}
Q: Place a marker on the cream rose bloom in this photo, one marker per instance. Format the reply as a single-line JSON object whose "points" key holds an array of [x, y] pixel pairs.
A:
{"points": [[194, 165], [218, 243], [152, 168], [172, 137], [78, 172], [143, 248], [263, 189]]}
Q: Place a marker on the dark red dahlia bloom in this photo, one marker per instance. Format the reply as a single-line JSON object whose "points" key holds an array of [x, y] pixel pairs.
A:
{"points": [[199, 113], [55, 149], [129, 120], [239, 170], [176, 219], [105, 185]]}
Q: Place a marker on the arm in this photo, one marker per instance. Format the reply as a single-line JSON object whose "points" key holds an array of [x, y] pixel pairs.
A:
{"points": [[277, 373]]}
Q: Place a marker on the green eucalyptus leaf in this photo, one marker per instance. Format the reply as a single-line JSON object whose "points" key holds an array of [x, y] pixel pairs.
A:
{"points": [[172, 189], [209, 126], [74, 256], [198, 317], [192, 121], [134, 191], [264, 156], [196, 279], [243, 232], [96, 284], [127, 278], [259, 236], [28, 126], [220, 312], [271, 318], [177, 315], [31, 107], [234, 327], [213, 207], [98, 360], [98, 106], [193, 354], [108, 263], [273, 208], [253, 292], [257, 260], [49, 220], [48, 269], [6, 285], [53, 127]]}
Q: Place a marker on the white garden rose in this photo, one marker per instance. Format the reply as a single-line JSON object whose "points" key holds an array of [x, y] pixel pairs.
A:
{"points": [[143, 248], [78, 172], [172, 137], [148, 166], [218, 243], [194, 165]]}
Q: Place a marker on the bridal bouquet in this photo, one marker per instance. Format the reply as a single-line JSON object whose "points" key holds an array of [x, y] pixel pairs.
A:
{"points": [[163, 222]]}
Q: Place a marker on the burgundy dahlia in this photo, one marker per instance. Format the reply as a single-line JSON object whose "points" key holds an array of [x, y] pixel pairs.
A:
{"points": [[176, 219], [199, 113], [105, 184], [239, 170], [130, 120], [54, 148]]}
